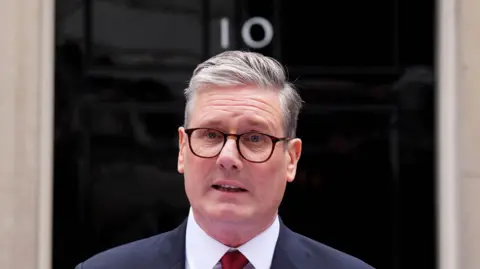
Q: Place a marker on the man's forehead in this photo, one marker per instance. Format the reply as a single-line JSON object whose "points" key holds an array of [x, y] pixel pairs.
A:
{"points": [[258, 108], [221, 119], [238, 96], [235, 90]]}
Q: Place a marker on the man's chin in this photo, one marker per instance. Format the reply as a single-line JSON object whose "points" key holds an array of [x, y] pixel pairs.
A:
{"points": [[230, 213]]}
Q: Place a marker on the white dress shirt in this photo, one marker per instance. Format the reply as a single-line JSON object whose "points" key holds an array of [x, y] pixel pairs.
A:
{"points": [[204, 252]]}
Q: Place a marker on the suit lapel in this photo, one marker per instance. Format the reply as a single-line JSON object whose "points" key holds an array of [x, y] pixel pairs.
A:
{"points": [[172, 249], [281, 260], [287, 254]]}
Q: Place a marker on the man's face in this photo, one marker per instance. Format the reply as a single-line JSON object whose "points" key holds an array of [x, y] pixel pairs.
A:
{"points": [[237, 110]]}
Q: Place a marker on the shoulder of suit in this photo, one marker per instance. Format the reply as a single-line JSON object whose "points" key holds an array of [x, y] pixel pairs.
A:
{"points": [[318, 253], [130, 254]]}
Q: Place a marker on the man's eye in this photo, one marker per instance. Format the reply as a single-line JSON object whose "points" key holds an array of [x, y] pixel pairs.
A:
{"points": [[254, 138], [212, 135]]}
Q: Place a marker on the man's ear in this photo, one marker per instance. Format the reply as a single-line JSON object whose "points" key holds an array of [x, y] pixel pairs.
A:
{"points": [[294, 151], [182, 136]]}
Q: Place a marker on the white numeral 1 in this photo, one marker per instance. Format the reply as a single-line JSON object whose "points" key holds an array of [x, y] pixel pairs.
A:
{"points": [[224, 33]]}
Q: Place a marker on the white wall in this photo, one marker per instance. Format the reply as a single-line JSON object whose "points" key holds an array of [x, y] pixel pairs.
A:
{"points": [[26, 54], [469, 132]]}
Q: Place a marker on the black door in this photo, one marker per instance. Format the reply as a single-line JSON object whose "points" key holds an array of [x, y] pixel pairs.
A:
{"points": [[365, 183]]}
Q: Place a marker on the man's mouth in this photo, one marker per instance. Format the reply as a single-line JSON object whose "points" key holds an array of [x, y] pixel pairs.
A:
{"points": [[228, 188]]}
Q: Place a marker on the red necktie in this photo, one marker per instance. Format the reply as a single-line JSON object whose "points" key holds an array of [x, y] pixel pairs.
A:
{"points": [[233, 260]]}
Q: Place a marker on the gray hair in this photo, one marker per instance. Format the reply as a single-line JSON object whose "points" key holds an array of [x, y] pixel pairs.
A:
{"points": [[239, 68]]}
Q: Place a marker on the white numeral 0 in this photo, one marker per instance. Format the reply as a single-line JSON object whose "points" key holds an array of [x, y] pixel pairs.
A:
{"points": [[246, 33]]}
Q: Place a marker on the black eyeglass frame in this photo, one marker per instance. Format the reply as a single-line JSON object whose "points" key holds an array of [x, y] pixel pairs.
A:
{"points": [[274, 139]]}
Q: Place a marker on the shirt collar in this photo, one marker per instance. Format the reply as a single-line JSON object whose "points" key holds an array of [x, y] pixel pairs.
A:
{"points": [[202, 251]]}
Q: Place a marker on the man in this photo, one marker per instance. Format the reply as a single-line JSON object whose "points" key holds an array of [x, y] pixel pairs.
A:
{"points": [[237, 152]]}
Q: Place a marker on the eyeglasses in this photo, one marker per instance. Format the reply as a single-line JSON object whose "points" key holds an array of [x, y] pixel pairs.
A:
{"points": [[253, 146]]}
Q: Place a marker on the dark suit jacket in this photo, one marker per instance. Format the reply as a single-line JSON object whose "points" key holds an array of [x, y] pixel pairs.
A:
{"points": [[167, 251]]}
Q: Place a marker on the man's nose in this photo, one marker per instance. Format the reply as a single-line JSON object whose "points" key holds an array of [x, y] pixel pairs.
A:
{"points": [[229, 158]]}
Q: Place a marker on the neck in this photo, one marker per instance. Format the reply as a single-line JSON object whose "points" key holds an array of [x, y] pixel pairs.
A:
{"points": [[232, 234]]}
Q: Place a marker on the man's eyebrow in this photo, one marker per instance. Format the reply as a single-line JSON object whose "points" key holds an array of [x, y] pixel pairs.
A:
{"points": [[256, 123], [211, 123], [260, 124], [247, 123]]}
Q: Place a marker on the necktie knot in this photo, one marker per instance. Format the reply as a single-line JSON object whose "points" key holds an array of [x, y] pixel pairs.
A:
{"points": [[233, 260]]}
